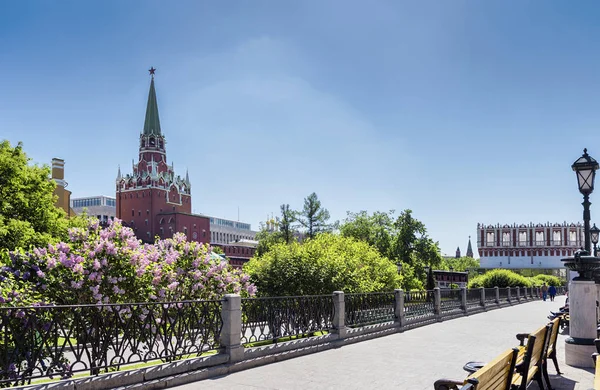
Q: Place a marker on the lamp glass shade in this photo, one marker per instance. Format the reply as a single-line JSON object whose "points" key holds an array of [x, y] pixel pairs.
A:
{"points": [[585, 167], [585, 180], [595, 233]]}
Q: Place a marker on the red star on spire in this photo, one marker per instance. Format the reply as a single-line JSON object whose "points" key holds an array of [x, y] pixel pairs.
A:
{"points": [[152, 70]]}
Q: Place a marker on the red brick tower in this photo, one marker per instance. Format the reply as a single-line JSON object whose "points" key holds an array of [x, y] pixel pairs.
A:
{"points": [[152, 200]]}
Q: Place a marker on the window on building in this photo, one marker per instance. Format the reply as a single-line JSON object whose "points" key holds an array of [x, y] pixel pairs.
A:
{"points": [[146, 222], [147, 212], [522, 238], [490, 239], [133, 213], [506, 239], [556, 237], [572, 237], [139, 213], [539, 238]]}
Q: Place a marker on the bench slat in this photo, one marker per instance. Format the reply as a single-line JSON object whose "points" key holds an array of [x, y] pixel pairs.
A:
{"points": [[597, 376], [496, 373]]}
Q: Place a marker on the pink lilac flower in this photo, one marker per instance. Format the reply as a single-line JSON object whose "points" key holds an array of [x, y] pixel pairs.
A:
{"points": [[76, 285], [51, 263], [40, 274], [173, 285]]}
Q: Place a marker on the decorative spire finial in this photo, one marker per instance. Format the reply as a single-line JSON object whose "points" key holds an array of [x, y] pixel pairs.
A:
{"points": [[152, 70]]}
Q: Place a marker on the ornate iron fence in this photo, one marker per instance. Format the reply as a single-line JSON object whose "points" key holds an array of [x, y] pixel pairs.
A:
{"points": [[490, 296], [450, 300], [503, 294], [371, 308], [59, 341], [277, 318], [473, 298], [419, 306]]}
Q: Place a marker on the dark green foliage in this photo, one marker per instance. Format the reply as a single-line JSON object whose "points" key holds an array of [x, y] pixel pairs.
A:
{"points": [[404, 240], [430, 280], [28, 216], [313, 216]]}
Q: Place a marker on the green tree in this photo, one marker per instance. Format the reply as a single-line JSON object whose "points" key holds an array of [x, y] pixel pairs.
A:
{"points": [[377, 229], [313, 216], [430, 280], [320, 266], [267, 238], [28, 216], [461, 264], [288, 217], [403, 240], [412, 245]]}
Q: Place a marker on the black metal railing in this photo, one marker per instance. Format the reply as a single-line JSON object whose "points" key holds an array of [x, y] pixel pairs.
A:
{"points": [[473, 298], [419, 306], [490, 296], [59, 341], [450, 300], [281, 318], [371, 308]]}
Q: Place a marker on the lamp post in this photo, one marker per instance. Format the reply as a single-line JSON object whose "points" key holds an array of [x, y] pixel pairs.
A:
{"points": [[585, 167], [583, 324], [595, 233]]}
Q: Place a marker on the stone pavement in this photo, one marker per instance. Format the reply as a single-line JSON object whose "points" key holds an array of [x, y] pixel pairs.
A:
{"points": [[412, 360]]}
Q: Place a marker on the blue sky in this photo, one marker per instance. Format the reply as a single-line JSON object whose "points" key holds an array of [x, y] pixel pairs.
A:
{"points": [[464, 112]]}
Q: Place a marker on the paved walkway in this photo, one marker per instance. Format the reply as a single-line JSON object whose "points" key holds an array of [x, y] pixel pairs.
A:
{"points": [[412, 360]]}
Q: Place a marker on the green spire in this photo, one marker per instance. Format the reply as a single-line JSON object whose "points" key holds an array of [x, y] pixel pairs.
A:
{"points": [[152, 123]]}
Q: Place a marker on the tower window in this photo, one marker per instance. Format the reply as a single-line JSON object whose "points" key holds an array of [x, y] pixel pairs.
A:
{"points": [[132, 213], [146, 222], [139, 213], [147, 212]]}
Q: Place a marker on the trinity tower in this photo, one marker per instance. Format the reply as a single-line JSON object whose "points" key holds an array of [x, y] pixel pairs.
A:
{"points": [[152, 200]]}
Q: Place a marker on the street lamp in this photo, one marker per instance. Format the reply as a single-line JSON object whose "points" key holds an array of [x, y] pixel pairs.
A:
{"points": [[585, 167], [595, 232]]}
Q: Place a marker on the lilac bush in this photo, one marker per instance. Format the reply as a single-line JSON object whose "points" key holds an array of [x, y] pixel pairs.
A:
{"points": [[110, 265]]}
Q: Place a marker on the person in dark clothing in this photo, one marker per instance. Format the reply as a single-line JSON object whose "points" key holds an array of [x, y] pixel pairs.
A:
{"points": [[552, 293]]}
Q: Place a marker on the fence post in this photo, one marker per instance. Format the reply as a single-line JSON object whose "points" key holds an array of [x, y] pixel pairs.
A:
{"points": [[339, 316], [463, 299], [437, 303], [519, 294], [399, 308], [508, 294], [497, 295], [532, 294], [231, 333], [482, 293]]}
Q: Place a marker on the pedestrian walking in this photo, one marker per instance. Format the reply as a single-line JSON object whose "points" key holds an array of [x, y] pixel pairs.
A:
{"points": [[552, 293], [544, 291]]}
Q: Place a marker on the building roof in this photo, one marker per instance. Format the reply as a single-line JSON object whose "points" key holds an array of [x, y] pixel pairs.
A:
{"points": [[469, 249], [152, 122]]}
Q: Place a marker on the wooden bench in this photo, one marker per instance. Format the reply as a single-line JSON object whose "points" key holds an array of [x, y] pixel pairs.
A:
{"points": [[597, 372], [531, 357], [551, 350], [496, 375]]}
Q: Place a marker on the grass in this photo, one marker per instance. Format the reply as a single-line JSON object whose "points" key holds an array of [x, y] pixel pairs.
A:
{"points": [[283, 339], [123, 367]]}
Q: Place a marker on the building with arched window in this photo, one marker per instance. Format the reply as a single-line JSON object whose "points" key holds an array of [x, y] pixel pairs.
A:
{"points": [[528, 246]]}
